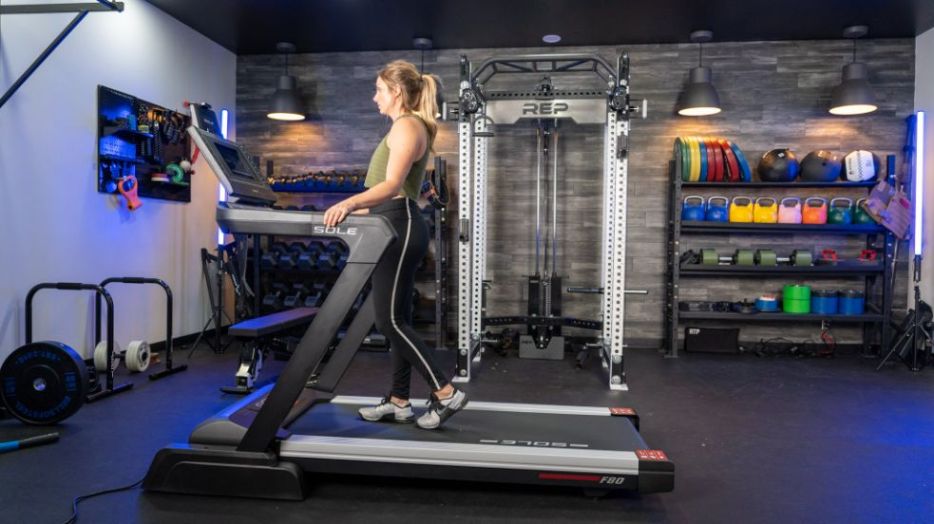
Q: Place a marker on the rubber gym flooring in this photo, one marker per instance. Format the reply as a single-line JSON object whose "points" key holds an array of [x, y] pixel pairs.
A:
{"points": [[754, 440]]}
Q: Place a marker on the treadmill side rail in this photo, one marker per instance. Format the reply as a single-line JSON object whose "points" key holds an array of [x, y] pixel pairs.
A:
{"points": [[224, 472]]}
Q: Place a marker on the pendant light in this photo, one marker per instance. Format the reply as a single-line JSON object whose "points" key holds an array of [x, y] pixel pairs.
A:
{"points": [[286, 102], [700, 97], [854, 95]]}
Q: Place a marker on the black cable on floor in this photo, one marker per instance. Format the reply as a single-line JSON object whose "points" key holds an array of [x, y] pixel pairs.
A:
{"points": [[78, 500]]}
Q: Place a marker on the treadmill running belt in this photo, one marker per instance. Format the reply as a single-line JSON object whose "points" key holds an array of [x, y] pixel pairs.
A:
{"points": [[478, 427]]}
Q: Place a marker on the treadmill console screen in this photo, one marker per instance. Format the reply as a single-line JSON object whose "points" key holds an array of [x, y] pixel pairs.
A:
{"points": [[233, 168], [235, 160]]}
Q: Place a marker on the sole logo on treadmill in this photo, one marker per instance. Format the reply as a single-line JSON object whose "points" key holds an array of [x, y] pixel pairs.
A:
{"points": [[533, 443], [338, 230]]}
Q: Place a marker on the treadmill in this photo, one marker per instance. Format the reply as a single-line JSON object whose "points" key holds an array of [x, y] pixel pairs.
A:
{"points": [[263, 445]]}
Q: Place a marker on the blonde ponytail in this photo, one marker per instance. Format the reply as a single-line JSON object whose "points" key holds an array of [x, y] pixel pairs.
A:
{"points": [[419, 93]]}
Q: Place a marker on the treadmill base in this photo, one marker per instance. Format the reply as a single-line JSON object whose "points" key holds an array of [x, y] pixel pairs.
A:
{"points": [[225, 472]]}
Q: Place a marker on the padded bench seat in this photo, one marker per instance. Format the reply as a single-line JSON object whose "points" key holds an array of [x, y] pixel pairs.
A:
{"points": [[272, 323]]}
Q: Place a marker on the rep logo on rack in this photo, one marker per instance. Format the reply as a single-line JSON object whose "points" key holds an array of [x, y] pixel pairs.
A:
{"points": [[544, 108]]}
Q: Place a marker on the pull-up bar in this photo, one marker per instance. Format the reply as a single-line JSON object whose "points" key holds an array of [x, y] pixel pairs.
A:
{"points": [[82, 10]]}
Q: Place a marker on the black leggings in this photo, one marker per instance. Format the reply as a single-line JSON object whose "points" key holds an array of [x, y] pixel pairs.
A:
{"points": [[392, 283]]}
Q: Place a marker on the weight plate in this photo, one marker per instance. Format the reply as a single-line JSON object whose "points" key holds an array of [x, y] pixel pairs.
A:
{"points": [[766, 257], [745, 172], [679, 161], [732, 172], [685, 160], [43, 382], [137, 356], [100, 356], [709, 257], [702, 147], [717, 156], [744, 257], [695, 159]]}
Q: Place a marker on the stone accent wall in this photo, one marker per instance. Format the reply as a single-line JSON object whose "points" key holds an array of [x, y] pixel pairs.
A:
{"points": [[773, 94]]}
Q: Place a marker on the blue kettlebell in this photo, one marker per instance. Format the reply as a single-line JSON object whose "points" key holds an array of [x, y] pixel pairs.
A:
{"points": [[718, 209], [693, 208]]}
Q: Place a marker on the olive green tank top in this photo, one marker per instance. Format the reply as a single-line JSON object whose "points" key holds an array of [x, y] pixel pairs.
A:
{"points": [[376, 173]]}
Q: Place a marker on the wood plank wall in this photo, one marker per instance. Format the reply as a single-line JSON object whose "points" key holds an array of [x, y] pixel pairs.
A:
{"points": [[773, 94]]}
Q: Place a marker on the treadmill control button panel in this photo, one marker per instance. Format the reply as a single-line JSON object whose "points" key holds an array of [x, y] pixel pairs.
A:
{"points": [[651, 454]]}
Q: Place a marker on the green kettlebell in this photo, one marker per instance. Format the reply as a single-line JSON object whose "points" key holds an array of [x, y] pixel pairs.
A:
{"points": [[860, 216], [841, 211]]}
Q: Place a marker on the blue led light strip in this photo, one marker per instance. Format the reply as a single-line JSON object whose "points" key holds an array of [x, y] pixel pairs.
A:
{"points": [[221, 194], [919, 181]]}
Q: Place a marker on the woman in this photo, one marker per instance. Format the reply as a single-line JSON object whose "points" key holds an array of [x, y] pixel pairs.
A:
{"points": [[393, 180]]}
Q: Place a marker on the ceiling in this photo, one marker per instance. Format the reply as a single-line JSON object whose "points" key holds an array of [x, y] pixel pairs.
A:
{"points": [[316, 26]]}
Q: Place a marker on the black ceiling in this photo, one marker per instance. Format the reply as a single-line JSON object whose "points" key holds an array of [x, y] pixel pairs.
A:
{"points": [[254, 26]]}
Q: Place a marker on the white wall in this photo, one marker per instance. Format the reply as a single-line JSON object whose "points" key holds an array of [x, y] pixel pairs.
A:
{"points": [[924, 101], [54, 225]]}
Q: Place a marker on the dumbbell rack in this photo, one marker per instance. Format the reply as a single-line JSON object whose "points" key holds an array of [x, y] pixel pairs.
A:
{"points": [[296, 193], [877, 312]]}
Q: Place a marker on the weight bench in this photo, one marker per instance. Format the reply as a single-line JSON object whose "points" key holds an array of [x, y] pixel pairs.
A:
{"points": [[256, 336]]}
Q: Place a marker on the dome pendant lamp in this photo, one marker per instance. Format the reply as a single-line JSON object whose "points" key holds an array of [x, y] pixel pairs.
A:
{"points": [[854, 95], [700, 97], [286, 102]]}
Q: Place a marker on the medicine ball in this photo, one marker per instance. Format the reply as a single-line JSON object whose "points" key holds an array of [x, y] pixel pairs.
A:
{"points": [[821, 166], [778, 165], [861, 166]]}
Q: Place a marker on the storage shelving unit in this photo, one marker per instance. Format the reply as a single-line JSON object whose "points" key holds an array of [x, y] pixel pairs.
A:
{"points": [[876, 276]]}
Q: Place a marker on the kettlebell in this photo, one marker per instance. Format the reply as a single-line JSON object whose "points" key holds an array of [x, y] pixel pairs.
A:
{"points": [[841, 211], [765, 211], [717, 209], [741, 210], [693, 208], [814, 211], [789, 212], [860, 216]]}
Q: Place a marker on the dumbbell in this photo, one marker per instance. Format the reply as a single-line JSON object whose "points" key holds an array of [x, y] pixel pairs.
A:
{"points": [[273, 299], [329, 257], [308, 259], [270, 258], [288, 259], [336, 246], [327, 260], [297, 298], [742, 257], [324, 288], [313, 299], [344, 182], [767, 257], [330, 179], [342, 260]]}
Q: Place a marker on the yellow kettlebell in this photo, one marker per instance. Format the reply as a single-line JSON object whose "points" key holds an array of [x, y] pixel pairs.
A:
{"points": [[741, 209], [765, 211]]}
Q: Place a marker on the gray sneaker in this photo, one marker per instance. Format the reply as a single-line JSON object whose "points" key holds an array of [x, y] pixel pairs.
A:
{"points": [[386, 409], [441, 410]]}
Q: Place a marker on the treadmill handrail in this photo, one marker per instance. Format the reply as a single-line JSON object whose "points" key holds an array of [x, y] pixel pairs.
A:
{"points": [[367, 236]]}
